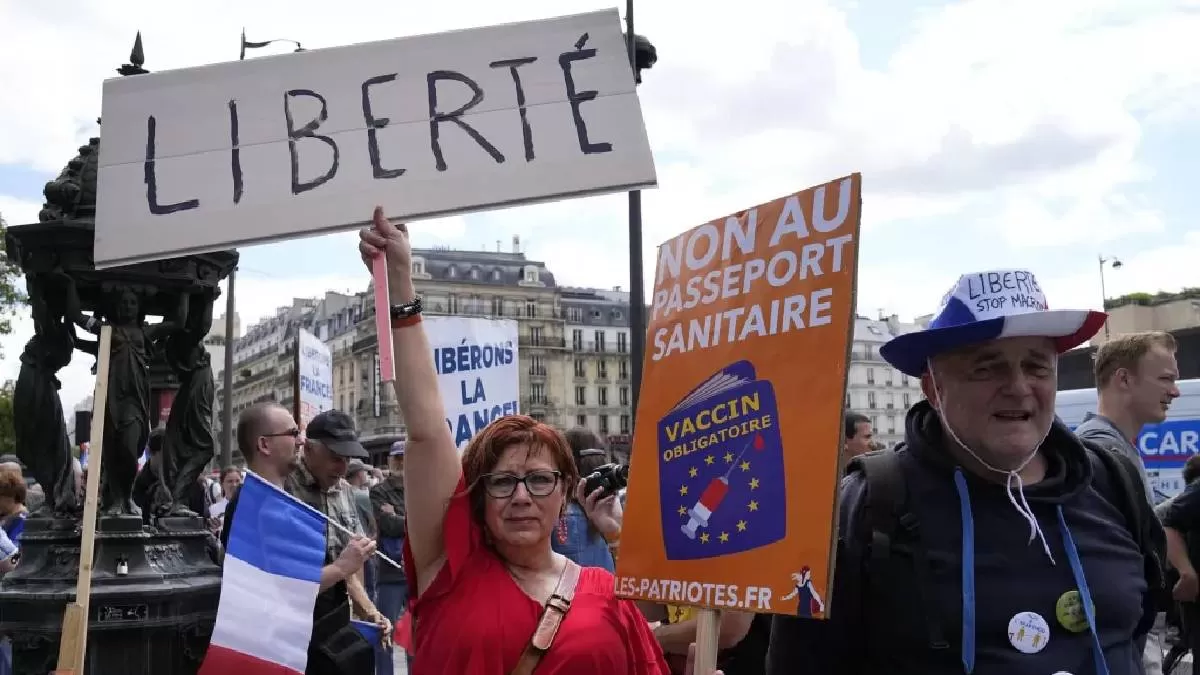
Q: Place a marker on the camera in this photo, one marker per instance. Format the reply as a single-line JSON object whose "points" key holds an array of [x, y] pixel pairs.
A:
{"points": [[611, 477]]}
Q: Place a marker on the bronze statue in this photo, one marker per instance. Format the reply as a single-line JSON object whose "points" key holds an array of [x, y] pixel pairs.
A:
{"points": [[188, 444], [41, 431], [127, 411]]}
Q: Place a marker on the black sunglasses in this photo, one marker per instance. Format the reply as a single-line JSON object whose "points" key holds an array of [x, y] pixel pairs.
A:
{"points": [[294, 433], [537, 483]]}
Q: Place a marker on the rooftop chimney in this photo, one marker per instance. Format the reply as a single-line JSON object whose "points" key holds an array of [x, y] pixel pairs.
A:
{"points": [[516, 244], [497, 246]]}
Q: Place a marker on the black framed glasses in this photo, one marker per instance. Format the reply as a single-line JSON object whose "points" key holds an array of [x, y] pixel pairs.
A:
{"points": [[537, 483], [294, 433]]}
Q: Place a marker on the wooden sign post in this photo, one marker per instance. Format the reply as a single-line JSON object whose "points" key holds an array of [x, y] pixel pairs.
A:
{"points": [[72, 646]]}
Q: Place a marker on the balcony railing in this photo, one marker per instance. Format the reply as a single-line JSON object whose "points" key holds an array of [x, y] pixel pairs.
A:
{"points": [[542, 342]]}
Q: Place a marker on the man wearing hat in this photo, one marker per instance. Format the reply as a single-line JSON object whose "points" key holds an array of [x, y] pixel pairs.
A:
{"points": [[319, 479], [992, 540], [387, 500]]}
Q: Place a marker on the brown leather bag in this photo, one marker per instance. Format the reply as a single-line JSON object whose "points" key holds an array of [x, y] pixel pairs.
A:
{"points": [[553, 614]]}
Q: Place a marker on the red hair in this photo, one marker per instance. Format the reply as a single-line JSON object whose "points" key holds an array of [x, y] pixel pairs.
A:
{"points": [[12, 485], [484, 450]]}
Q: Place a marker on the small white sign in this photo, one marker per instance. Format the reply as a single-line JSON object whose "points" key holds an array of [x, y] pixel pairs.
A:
{"points": [[315, 370], [478, 371], [238, 153]]}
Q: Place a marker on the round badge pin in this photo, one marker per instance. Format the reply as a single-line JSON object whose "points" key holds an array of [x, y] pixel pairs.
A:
{"points": [[1069, 611], [1028, 632]]}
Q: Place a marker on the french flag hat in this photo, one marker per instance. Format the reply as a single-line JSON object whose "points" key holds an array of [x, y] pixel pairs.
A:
{"points": [[989, 306]]}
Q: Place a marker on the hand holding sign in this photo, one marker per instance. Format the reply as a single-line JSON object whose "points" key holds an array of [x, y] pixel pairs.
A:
{"points": [[392, 241]]}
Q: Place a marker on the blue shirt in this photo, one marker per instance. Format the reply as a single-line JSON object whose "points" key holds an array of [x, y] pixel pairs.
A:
{"points": [[576, 539]]}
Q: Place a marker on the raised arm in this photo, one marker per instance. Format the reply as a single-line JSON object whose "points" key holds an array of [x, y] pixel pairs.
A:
{"points": [[74, 311], [431, 467], [175, 322]]}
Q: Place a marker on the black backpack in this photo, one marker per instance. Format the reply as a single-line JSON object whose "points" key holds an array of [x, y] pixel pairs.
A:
{"points": [[886, 513]]}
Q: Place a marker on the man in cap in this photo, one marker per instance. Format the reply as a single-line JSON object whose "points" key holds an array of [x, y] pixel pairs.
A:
{"points": [[992, 540], [387, 500]]}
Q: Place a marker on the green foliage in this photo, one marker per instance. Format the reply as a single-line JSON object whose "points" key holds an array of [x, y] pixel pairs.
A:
{"points": [[12, 296], [1151, 299], [8, 437]]}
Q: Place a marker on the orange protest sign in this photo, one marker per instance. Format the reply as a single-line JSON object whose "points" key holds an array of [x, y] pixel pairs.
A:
{"points": [[739, 427]]}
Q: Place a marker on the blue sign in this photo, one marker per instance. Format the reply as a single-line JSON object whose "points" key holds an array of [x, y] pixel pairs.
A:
{"points": [[1168, 445]]}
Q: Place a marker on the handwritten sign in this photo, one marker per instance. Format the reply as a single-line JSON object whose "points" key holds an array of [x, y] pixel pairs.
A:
{"points": [[740, 414], [238, 153], [478, 371], [314, 376]]}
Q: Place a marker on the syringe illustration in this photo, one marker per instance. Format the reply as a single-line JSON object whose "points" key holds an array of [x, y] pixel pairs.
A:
{"points": [[711, 498]]}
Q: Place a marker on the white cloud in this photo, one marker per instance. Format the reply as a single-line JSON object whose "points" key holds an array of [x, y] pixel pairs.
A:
{"points": [[1034, 142], [18, 211]]}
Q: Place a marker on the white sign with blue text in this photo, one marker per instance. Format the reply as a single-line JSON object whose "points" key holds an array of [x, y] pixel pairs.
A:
{"points": [[314, 364], [478, 371]]}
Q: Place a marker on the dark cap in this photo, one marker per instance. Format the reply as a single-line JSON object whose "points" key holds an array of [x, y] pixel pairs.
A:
{"points": [[335, 429]]}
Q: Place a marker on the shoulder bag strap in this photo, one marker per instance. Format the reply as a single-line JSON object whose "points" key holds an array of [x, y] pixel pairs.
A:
{"points": [[553, 614]]}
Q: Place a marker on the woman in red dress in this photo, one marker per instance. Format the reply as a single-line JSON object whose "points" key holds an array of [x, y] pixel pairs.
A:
{"points": [[478, 550]]}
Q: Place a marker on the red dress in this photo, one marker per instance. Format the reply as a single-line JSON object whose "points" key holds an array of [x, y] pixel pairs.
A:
{"points": [[475, 620]]}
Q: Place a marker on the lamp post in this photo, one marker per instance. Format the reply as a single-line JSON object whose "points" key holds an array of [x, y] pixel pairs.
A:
{"points": [[642, 55], [230, 307], [1115, 263]]}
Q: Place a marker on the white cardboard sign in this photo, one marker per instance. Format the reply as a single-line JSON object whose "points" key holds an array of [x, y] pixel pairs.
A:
{"points": [[230, 154]]}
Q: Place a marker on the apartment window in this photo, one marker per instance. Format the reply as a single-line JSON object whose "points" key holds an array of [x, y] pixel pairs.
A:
{"points": [[531, 275], [418, 267], [497, 306], [871, 377], [891, 424], [537, 416], [622, 342], [603, 424], [599, 340], [577, 339], [452, 304], [847, 401], [581, 420], [537, 391], [580, 370], [625, 424], [602, 395], [891, 400], [535, 335], [624, 369], [531, 308], [580, 395], [602, 368], [537, 366], [907, 401], [871, 400], [888, 374], [623, 396], [575, 314]]}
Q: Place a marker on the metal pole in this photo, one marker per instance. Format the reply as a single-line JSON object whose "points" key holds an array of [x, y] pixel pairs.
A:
{"points": [[1103, 296], [637, 303], [227, 376]]}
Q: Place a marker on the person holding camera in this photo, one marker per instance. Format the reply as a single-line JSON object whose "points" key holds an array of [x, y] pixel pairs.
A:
{"points": [[490, 596], [578, 534]]}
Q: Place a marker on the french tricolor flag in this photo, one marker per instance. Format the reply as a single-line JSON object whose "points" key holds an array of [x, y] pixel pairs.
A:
{"points": [[272, 574]]}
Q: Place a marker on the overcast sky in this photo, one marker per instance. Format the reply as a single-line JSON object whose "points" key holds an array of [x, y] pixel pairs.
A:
{"points": [[990, 133]]}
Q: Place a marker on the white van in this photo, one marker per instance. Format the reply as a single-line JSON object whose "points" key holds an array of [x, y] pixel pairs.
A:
{"points": [[1164, 447]]}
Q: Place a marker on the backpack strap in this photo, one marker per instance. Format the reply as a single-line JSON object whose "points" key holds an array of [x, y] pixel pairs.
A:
{"points": [[886, 508], [1120, 482]]}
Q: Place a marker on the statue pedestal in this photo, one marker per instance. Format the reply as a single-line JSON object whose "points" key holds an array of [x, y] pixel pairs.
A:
{"points": [[153, 603]]}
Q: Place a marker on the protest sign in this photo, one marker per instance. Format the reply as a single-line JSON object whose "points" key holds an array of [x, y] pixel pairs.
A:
{"points": [[478, 371], [314, 377], [740, 415], [229, 154]]}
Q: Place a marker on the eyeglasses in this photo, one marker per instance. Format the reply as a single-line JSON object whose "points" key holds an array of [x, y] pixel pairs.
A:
{"points": [[294, 433], [537, 483]]}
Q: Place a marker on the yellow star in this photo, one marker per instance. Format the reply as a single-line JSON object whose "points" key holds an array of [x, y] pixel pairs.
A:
{"points": [[692, 472], [708, 460], [724, 537], [703, 537], [745, 466], [753, 484], [753, 505], [741, 525], [682, 490], [683, 510], [729, 458]]}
